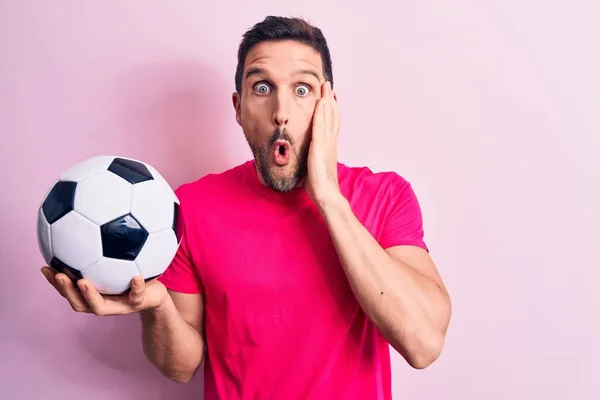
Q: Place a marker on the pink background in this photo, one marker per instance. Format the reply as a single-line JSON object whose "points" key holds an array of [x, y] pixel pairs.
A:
{"points": [[490, 108]]}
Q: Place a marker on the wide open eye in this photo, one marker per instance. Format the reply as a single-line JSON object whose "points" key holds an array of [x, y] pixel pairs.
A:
{"points": [[302, 90], [262, 88]]}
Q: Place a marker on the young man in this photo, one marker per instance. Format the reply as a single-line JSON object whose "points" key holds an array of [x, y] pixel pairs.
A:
{"points": [[296, 272]]}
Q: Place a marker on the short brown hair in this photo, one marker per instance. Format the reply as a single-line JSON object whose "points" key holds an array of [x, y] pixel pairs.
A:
{"points": [[274, 28]]}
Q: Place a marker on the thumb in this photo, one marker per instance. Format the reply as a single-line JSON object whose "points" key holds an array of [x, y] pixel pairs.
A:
{"points": [[136, 295]]}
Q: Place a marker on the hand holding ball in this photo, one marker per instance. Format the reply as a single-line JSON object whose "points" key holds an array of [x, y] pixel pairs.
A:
{"points": [[107, 220]]}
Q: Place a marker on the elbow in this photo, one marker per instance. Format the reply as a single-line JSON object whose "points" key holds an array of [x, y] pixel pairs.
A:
{"points": [[428, 347], [180, 378], [180, 375], [423, 354], [179, 371], [425, 357], [423, 360]]}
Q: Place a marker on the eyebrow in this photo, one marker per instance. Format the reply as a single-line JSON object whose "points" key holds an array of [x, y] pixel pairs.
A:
{"points": [[307, 72], [262, 71]]}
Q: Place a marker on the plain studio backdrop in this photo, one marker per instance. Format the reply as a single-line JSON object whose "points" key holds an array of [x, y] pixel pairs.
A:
{"points": [[490, 108]]}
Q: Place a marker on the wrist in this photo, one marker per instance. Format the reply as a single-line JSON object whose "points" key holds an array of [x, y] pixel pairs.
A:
{"points": [[163, 303], [334, 202]]}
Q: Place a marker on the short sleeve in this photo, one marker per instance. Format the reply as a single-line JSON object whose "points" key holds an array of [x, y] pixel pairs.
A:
{"points": [[404, 222], [181, 274]]}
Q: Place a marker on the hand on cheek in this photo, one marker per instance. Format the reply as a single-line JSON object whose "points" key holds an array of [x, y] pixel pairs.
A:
{"points": [[322, 180]]}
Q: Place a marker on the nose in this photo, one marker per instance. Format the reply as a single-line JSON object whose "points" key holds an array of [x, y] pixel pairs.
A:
{"points": [[281, 109]]}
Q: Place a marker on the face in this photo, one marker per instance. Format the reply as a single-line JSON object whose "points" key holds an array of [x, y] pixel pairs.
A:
{"points": [[280, 88]]}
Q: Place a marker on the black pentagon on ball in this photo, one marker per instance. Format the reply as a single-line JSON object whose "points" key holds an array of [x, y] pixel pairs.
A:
{"points": [[132, 171], [60, 266], [177, 223], [59, 201], [150, 278], [123, 238]]}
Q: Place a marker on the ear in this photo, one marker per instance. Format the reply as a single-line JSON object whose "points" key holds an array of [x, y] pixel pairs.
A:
{"points": [[237, 106]]}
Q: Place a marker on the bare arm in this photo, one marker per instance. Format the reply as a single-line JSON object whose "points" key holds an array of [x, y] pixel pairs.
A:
{"points": [[173, 335], [172, 322], [399, 289]]}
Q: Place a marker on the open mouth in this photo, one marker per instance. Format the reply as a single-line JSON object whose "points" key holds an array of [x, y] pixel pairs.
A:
{"points": [[281, 152]]}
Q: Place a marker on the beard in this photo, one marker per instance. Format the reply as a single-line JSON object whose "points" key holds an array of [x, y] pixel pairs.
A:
{"points": [[297, 164]]}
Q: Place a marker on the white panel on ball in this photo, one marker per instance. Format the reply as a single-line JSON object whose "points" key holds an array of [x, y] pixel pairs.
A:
{"points": [[76, 241], [86, 168], [157, 176], [110, 275], [103, 197], [157, 253], [44, 237], [155, 215]]}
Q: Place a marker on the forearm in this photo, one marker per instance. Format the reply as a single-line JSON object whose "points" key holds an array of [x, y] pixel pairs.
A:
{"points": [[170, 343], [410, 310]]}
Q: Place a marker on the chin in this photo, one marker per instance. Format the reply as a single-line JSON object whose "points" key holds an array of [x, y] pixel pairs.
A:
{"points": [[282, 179]]}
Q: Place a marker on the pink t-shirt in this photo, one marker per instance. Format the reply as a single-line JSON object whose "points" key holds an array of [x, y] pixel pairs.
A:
{"points": [[281, 319]]}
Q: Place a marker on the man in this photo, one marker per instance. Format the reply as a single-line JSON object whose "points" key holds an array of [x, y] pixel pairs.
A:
{"points": [[296, 272]]}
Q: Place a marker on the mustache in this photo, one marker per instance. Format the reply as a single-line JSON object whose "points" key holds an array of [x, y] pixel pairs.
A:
{"points": [[278, 133]]}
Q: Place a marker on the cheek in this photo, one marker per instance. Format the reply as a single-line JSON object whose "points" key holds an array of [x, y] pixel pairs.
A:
{"points": [[253, 112], [306, 105], [250, 120], [305, 112]]}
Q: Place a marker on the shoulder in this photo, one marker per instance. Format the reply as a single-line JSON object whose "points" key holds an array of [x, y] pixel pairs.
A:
{"points": [[375, 183], [212, 193], [213, 185]]}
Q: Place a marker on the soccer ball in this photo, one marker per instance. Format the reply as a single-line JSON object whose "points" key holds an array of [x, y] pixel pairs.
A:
{"points": [[108, 219]]}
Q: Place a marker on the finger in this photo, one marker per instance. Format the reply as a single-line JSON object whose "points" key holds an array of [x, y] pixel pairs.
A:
{"points": [[337, 116], [330, 95], [318, 118], [94, 299], [72, 294], [334, 109], [327, 109], [322, 102], [49, 274], [137, 292]]}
